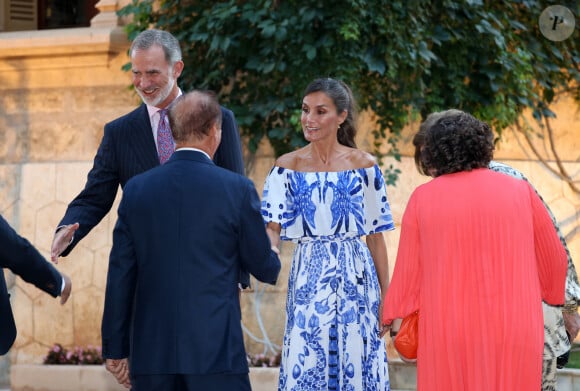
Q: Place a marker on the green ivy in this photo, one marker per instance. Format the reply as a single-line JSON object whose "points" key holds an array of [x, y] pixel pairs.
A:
{"points": [[400, 57]]}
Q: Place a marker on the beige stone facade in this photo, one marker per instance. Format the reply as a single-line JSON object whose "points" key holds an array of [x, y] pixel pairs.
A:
{"points": [[57, 90]]}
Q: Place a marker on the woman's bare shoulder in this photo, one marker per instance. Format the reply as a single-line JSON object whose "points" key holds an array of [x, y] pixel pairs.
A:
{"points": [[289, 160], [362, 159]]}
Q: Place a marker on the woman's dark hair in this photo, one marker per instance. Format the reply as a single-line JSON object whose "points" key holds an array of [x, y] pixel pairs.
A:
{"points": [[453, 141], [343, 99], [419, 138], [418, 142]]}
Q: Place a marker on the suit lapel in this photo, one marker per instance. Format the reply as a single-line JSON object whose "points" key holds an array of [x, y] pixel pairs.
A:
{"points": [[7, 326], [142, 138]]}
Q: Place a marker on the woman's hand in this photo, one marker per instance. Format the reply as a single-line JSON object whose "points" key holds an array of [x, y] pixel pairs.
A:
{"points": [[383, 328], [572, 324]]}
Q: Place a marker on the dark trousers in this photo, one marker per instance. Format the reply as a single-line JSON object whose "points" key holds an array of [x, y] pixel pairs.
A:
{"points": [[180, 382]]}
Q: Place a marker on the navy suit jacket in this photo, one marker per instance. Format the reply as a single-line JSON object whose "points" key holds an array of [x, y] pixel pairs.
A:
{"points": [[171, 302], [127, 149], [20, 256]]}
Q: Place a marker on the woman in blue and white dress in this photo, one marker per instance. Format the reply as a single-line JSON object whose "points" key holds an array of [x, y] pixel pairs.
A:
{"points": [[324, 197]]}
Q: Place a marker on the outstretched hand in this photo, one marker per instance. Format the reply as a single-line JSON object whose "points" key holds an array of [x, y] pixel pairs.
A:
{"points": [[61, 240], [120, 369]]}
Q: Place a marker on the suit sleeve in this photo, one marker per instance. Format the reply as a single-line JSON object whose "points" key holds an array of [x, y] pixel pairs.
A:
{"points": [[256, 253], [229, 156], [96, 199], [120, 290], [229, 152], [20, 256]]}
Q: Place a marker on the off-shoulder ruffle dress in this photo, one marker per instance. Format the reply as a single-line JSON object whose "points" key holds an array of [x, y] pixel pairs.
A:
{"points": [[331, 338]]}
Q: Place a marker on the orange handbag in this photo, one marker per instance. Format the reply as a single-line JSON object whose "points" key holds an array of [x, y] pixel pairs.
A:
{"points": [[407, 338]]}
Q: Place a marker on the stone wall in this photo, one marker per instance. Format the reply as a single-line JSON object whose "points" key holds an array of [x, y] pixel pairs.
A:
{"points": [[57, 90]]}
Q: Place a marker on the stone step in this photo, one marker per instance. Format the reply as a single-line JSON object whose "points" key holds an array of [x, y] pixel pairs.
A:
{"points": [[568, 380], [403, 377]]}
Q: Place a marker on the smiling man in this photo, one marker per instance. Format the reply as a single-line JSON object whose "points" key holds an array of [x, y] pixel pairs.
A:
{"points": [[139, 140]]}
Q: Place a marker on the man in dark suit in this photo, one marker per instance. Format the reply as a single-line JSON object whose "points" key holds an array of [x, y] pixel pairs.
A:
{"points": [[184, 230], [130, 143], [18, 255]]}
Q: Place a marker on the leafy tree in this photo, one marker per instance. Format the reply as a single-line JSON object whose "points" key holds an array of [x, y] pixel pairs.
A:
{"points": [[401, 57]]}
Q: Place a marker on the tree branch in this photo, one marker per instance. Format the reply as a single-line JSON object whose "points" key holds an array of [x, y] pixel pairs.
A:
{"points": [[561, 172], [564, 173]]}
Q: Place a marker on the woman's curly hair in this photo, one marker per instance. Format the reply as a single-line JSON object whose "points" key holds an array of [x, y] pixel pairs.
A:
{"points": [[453, 141]]}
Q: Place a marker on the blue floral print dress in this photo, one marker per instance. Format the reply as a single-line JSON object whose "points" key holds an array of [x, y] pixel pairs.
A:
{"points": [[331, 340]]}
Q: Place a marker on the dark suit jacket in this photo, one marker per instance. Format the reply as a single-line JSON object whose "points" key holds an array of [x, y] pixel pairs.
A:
{"points": [[127, 149], [18, 255], [184, 230]]}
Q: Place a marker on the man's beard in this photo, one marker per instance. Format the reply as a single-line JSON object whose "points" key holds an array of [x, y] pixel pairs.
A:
{"points": [[163, 94]]}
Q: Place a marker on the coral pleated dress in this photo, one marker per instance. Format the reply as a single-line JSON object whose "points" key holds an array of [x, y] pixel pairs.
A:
{"points": [[477, 255]]}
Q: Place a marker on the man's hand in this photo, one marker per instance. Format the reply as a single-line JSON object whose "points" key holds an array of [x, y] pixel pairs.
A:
{"points": [[572, 324], [61, 240], [65, 294], [120, 369]]}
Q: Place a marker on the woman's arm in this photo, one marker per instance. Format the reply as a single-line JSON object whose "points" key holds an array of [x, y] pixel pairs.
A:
{"points": [[273, 231], [378, 249]]}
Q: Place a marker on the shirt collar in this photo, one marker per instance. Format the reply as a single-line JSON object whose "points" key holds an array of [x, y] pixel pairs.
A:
{"points": [[193, 149]]}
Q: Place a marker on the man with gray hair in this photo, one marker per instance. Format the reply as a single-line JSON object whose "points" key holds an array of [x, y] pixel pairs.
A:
{"points": [[139, 140]]}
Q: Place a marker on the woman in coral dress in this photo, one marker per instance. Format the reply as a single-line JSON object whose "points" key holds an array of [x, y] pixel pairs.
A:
{"points": [[324, 197], [477, 255]]}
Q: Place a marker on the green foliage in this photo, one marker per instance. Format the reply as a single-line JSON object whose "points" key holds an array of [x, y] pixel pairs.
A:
{"points": [[493, 61], [574, 360], [488, 58]]}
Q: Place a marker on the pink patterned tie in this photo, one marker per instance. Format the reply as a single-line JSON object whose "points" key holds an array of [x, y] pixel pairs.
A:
{"points": [[165, 145]]}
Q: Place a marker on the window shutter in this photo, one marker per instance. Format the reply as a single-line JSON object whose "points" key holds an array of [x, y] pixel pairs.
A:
{"points": [[22, 15]]}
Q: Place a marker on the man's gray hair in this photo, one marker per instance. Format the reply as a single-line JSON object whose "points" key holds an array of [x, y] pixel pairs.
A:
{"points": [[168, 43]]}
